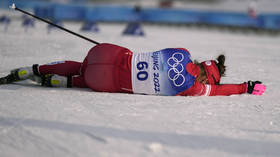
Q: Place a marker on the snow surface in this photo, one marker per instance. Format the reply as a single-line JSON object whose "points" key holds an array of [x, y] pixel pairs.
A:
{"points": [[37, 121]]}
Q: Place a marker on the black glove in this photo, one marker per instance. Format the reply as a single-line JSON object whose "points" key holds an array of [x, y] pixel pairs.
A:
{"points": [[251, 89]]}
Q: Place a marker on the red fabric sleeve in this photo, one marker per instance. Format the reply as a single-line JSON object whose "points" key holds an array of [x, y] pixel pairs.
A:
{"points": [[227, 89], [199, 89]]}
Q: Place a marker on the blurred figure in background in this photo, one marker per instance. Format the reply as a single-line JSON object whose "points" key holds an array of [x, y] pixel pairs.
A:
{"points": [[252, 9]]}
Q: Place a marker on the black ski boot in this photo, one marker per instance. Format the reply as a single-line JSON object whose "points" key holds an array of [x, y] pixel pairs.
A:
{"points": [[18, 75], [12, 77], [52, 80]]}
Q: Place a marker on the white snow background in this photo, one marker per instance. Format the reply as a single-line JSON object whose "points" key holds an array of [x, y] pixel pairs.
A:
{"points": [[37, 121]]}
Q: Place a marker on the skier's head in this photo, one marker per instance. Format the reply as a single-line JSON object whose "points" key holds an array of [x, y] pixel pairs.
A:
{"points": [[211, 71]]}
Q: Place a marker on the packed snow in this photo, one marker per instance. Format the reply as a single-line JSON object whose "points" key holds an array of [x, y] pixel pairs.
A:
{"points": [[38, 121]]}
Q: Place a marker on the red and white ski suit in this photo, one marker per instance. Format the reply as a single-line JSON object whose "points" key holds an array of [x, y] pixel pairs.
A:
{"points": [[107, 68]]}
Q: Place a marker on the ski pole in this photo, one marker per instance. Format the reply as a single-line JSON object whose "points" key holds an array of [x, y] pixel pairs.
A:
{"points": [[46, 21]]}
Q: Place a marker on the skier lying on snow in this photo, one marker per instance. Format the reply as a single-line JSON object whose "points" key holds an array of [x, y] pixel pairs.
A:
{"points": [[112, 68]]}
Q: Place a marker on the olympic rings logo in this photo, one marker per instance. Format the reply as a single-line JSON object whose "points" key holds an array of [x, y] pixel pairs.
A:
{"points": [[174, 73]]}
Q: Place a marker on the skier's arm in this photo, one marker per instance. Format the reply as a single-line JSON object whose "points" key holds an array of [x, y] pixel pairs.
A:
{"points": [[250, 87], [199, 89], [227, 89]]}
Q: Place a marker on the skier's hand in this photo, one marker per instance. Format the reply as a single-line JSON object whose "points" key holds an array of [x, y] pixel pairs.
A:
{"points": [[255, 87]]}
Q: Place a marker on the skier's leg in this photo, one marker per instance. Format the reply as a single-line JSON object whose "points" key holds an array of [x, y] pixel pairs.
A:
{"points": [[79, 81], [63, 74], [41, 73], [63, 68]]}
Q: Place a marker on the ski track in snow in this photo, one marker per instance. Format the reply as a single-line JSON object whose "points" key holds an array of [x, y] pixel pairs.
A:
{"points": [[78, 122]]}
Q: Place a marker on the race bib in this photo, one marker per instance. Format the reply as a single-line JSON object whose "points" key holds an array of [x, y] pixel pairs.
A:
{"points": [[162, 72]]}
